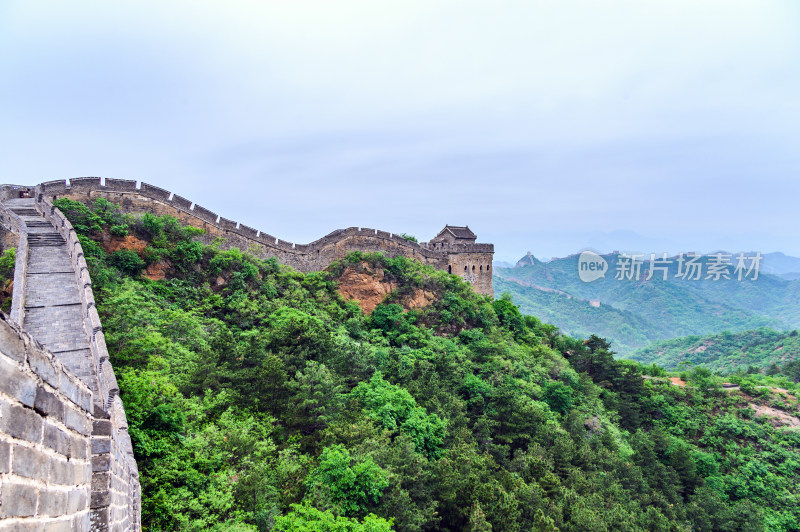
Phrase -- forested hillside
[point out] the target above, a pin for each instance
(726, 352)
(579, 318)
(635, 313)
(259, 399)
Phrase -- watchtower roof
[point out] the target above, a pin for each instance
(458, 232)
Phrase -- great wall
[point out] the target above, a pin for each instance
(458, 254)
(66, 459)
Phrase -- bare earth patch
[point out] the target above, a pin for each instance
(112, 243)
(779, 418)
(365, 285)
(368, 287)
(157, 271)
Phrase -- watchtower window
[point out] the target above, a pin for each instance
(481, 268)
(449, 268)
(473, 267)
(466, 269)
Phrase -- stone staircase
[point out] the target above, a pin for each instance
(53, 303)
(53, 313)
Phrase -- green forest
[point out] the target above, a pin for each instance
(259, 399)
(726, 352)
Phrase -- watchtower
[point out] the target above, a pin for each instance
(465, 257)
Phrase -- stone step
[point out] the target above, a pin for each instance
(45, 239)
(25, 211)
(38, 223)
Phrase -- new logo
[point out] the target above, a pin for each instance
(591, 266)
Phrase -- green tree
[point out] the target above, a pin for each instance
(347, 485)
(397, 411)
(315, 397)
(305, 518)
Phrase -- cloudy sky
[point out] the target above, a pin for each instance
(655, 125)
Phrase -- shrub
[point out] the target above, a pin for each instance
(126, 261)
(7, 261)
(119, 230)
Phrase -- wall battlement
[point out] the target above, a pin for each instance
(470, 260)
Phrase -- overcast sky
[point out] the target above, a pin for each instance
(546, 126)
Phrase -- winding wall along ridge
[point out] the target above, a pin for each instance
(470, 260)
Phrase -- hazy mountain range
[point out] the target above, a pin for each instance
(634, 313)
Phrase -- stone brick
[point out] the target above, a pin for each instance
(63, 472)
(17, 500)
(77, 500)
(81, 522)
(56, 439)
(5, 457)
(19, 422)
(16, 382)
(52, 502)
(49, 404)
(101, 445)
(30, 525)
(44, 367)
(100, 498)
(69, 387)
(84, 473)
(79, 447)
(100, 518)
(13, 344)
(77, 420)
(62, 525)
(101, 462)
(101, 427)
(30, 463)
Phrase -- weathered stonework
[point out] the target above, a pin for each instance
(70, 460)
(442, 252)
(45, 434)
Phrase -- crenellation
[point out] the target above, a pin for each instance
(205, 214)
(80, 183)
(227, 224)
(55, 186)
(181, 202)
(154, 192)
(268, 239)
(120, 185)
(247, 231)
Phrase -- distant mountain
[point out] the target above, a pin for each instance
(633, 313)
(725, 352)
(780, 264)
(579, 318)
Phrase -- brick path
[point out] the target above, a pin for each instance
(53, 313)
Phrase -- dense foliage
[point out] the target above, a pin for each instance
(726, 352)
(258, 399)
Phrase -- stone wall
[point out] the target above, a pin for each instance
(116, 492)
(315, 256)
(66, 460)
(46, 424)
